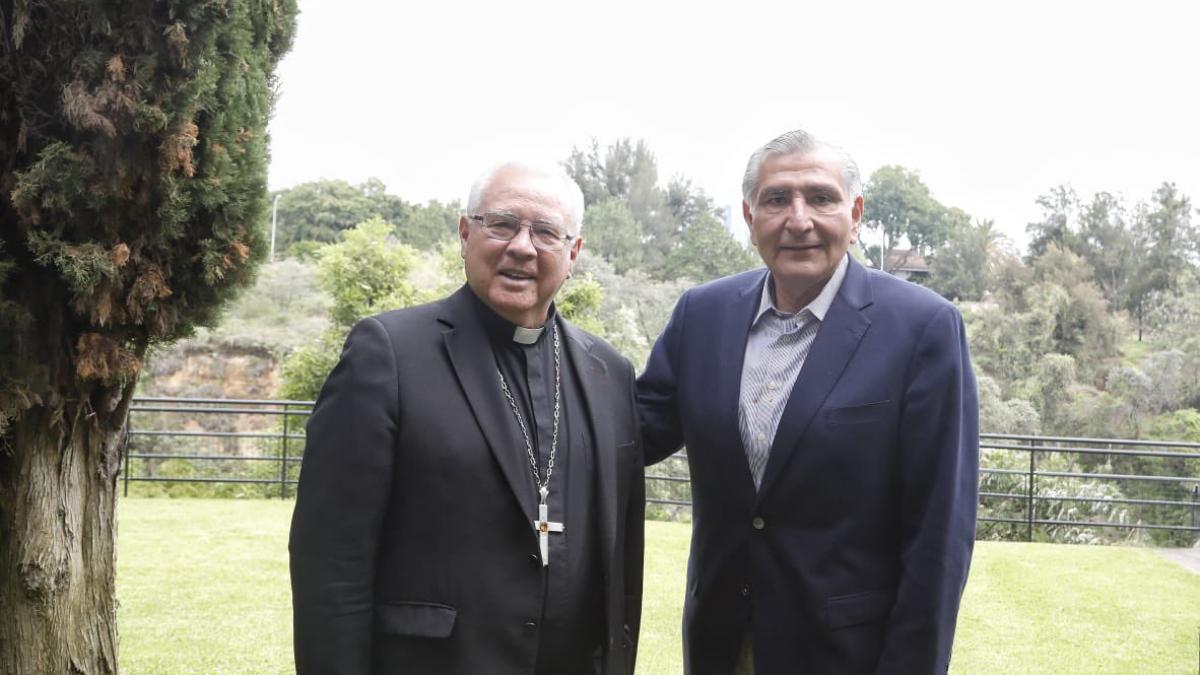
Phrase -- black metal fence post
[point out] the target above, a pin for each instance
(1032, 488)
(1195, 505)
(125, 447)
(283, 459)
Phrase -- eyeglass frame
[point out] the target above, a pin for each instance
(567, 237)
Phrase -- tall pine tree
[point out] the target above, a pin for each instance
(132, 189)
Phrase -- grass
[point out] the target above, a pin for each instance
(203, 588)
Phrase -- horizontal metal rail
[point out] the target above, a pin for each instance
(221, 411)
(1094, 451)
(1104, 500)
(212, 434)
(215, 458)
(1029, 494)
(1095, 441)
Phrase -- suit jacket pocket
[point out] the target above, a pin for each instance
(415, 619)
(860, 414)
(857, 608)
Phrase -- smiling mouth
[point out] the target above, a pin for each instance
(516, 275)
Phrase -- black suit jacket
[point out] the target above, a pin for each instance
(852, 555)
(412, 548)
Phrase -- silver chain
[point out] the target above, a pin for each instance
(543, 486)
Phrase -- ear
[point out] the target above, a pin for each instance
(572, 254)
(856, 213)
(464, 228)
(748, 216)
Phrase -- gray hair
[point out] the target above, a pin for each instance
(799, 142)
(566, 189)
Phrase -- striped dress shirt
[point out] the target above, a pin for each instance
(775, 352)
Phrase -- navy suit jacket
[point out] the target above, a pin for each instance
(852, 556)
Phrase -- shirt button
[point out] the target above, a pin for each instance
(758, 523)
(745, 590)
(761, 436)
(772, 385)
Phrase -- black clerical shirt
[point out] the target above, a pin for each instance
(572, 626)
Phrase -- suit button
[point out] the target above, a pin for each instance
(758, 523)
(533, 557)
(531, 624)
(745, 590)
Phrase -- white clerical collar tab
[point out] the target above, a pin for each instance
(527, 336)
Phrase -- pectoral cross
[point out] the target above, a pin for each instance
(544, 527)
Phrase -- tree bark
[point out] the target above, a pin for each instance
(57, 538)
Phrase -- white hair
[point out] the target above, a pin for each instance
(566, 189)
(798, 142)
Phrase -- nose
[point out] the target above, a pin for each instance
(799, 216)
(522, 244)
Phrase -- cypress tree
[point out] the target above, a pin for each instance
(133, 157)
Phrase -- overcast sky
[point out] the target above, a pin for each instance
(993, 103)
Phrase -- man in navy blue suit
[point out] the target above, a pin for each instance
(830, 416)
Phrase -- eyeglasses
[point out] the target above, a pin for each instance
(778, 200)
(502, 227)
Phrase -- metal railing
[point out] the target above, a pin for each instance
(284, 446)
(1031, 487)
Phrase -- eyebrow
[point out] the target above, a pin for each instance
(806, 189)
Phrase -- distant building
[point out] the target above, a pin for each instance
(732, 218)
(906, 264)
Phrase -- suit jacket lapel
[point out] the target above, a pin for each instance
(837, 339)
(475, 367)
(592, 375)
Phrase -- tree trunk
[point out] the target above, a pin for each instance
(57, 538)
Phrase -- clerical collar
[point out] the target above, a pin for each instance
(501, 330)
(527, 336)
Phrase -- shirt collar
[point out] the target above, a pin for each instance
(502, 331)
(818, 307)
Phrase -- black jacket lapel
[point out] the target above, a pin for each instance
(475, 367)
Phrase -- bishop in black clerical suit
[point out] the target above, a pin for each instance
(471, 496)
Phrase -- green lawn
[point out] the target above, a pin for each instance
(203, 588)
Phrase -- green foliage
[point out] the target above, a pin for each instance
(282, 311)
(634, 308)
(1059, 209)
(636, 225)
(1051, 500)
(305, 369)
(898, 202)
(1000, 416)
(1048, 388)
(366, 273)
(430, 226)
(579, 302)
(318, 212)
(1051, 307)
(707, 251)
(321, 210)
(612, 233)
(963, 268)
(1106, 242)
(132, 181)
